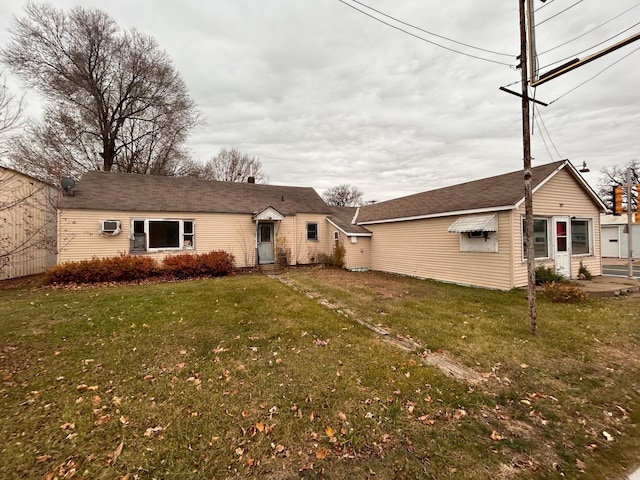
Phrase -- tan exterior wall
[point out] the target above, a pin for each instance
(424, 248)
(309, 251)
(561, 196)
(79, 235)
(358, 255)
(27, 225)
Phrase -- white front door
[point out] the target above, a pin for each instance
(562, 245)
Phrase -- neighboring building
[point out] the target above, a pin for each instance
(119, 213)
(27, 224)
(469, 234)
(615, 236)
(472, 233)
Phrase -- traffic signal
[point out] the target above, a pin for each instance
(617, 201)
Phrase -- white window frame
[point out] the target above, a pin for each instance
(589, 222)
(317, 237)
(182, 245)
(548, 239)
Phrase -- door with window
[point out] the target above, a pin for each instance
(266, 243)
(562, 246)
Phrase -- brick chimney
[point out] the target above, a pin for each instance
(251, 180)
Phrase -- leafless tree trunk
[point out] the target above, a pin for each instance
(115, 101)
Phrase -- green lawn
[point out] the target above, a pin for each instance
(245, 377)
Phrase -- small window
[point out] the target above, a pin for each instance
(540, 238)
(188, 234)
(476, 234)
(312, 231)
(580, 244)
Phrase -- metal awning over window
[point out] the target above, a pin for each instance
(475, 223)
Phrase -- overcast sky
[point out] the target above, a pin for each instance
(324, 94)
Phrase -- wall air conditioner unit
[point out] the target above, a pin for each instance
(110, 227)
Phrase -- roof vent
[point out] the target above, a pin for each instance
(68, 184)
(251, 180)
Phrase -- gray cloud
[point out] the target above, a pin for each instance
(324, 95)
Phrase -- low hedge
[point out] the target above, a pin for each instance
(134, 268)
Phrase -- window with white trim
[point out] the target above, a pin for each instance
(580, 237)
(540, 238)
(149, 235)
(312, 231)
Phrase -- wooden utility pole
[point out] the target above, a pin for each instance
(528, 194)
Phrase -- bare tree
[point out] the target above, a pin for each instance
(228, 166)
(617, 176)
(343, 195)
(10, 113)
(115, 101)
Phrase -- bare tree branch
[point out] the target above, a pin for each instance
(109, 91)
(343, 195)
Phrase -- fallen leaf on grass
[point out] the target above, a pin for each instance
(42, 458)
(330, 432)
(113, 456)
(496, 436)
(608, 436)
(68, 426)
(149, 432)
(322, 453)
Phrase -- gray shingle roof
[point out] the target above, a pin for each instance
(502, 191)
(132, 192)
(343, 216)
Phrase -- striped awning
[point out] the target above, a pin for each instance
(475, 223)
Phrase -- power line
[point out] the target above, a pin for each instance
(559, 13)
(432, 33)
(544, 127)
(594, 76)
(425, 39)
(589, 31)
(571, 57)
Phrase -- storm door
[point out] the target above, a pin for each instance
(266, 242)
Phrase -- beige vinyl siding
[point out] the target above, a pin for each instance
(310, 251)
(79, 236)
(563, 196)
(27, 225)
(424, 248)
(358, 255)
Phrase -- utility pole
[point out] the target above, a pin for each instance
(629, 224)
(528, 194)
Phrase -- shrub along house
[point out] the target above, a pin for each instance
(108, 214)
(470, 233)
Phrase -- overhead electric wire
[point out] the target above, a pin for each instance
(425, 39)
(571, 57)
(559, 13)
(545, 4)
(432, 33)
(544, 127)
(589, 31)
(594, 76)
(542, 136)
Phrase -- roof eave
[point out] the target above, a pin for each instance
(439, 215)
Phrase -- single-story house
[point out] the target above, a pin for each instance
(108, 214)
(470, 233)
(27, 224)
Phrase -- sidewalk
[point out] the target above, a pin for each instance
(609, 286)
